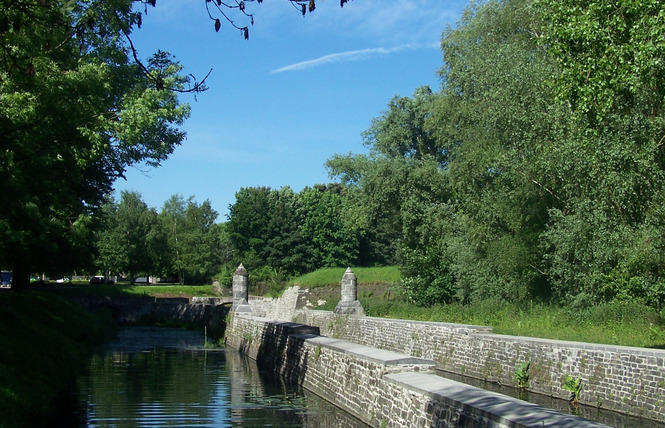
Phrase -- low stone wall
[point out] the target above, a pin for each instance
(381, 388)
(145, 309)
(625, 379)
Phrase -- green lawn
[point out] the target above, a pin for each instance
(127, 289)
(332, 276)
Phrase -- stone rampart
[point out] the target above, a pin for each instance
(144, 309)
(625, 379)
(381, 388)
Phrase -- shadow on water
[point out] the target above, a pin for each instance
(164, 377)
(598, 414)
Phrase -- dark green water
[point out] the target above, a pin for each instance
(161, 377)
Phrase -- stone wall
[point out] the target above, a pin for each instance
(147, 310)
(381, 388)
(625, 379)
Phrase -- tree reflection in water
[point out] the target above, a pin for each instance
(163, 377)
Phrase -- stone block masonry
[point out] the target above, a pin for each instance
(132, 310)
(380, 387)
(624, 379)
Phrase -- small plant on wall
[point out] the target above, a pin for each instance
(522, 375)
(574, 386)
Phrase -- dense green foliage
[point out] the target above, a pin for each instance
(76, 109)
(537, 170)
(181, 242)
(292, 232)
(44, 344)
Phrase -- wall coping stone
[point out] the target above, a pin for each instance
(292, 328)
(653, 352)
(500, 408)
(480, 329)
(373, 354)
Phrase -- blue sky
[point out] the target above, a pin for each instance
(283, 102)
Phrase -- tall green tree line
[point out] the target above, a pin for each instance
(181, 241)
(292, 232)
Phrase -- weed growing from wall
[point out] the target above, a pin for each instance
(522, 375)
(574, 386)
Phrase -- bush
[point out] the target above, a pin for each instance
(267, 281)
(427, 277)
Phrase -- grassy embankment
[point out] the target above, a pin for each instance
(44, 344)
(617, 323)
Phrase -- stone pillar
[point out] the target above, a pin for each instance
(349, 303)
(240, 288)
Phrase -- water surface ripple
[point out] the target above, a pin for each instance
(150, 377)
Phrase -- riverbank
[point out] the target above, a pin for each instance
(44, 344)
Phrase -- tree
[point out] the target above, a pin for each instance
(248, 225)
(135, 226)
(111, 257)
(553, 122)
(610, 57)
(77, 108)
(405, 131)
(286, 250)
(400, 141)
(191, 240)
(292, 233)
(499, 123)
(460, 174)
(332, 242)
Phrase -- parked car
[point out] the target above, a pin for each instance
(5, 279)
(100, 280)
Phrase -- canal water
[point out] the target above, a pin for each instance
(152, 377)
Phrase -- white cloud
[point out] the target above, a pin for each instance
(389, 21)
(348, 56)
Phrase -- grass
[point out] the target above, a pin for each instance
(625, 324)
(84, 289)
(333, 276)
